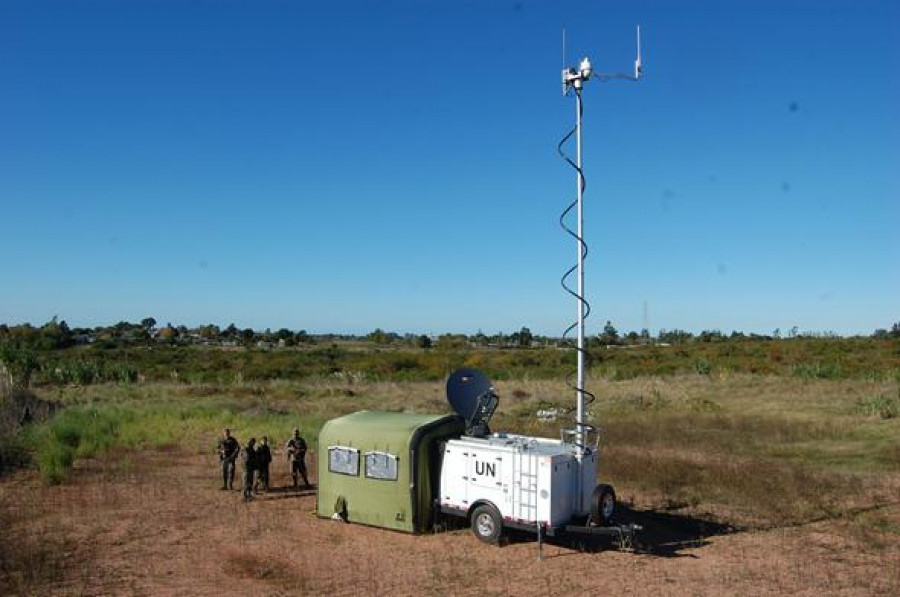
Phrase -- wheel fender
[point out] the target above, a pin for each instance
(488, 503)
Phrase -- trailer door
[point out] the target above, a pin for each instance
(454, 479)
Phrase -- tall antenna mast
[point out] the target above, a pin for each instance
(573, 81)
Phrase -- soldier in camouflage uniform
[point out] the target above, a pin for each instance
(296, 453)
(228, 449)
(263, 458)
(249, 461)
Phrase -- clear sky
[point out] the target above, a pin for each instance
(340, 166)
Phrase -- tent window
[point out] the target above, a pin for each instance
(381, 465)
(343, 460)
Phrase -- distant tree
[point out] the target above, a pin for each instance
(119, 329)
(209, 332)
(247, 335)
(286, 336)
(55, 334)
(895, 330)
(302, 337)
(610, 334)
(645, 334)
(675, 336)
(480, 339)
(378, 336)
(777, 334)
(231, 332)
(19, 364)
(711, 336)
(148, 323)
(168, 333)
(449, 342)
(423, 341)
(881, 334)
(525, 337)
(632, 337)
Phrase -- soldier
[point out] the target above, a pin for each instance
(249, 462)
(229, 448)
(296, 453)
(263, 458)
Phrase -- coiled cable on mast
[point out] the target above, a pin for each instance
(585, 395)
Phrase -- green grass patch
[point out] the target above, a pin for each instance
(86, 431)
(882, 406)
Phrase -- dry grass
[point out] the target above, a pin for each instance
(33, 556)
(157, 525)
(268, 568)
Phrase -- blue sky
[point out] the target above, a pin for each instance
(346, 166)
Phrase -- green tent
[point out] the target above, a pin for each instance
(383, 469)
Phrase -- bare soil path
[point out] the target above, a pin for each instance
(157, 524)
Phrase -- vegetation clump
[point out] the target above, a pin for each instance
(880, 405)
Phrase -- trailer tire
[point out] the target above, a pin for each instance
(603, 505)
(487, 524)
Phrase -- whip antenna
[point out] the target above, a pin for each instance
(637, 63)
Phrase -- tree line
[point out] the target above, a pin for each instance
(57, 334)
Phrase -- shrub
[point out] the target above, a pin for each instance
(881, 406)
(817, 370)
(125, 374)
(55, 461)
(702, 366)
(76, 432)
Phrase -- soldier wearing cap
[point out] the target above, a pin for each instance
(296, 453)
(228, 449)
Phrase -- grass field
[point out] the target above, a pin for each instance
(805, 358)
(708, 460)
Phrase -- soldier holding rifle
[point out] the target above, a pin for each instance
(228, 449)
(296, 453)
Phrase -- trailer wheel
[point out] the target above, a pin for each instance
(603, 505)
(487, 524)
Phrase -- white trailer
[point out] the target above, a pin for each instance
(519, 482)
(498, 480)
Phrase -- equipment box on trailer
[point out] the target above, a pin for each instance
(528, 480)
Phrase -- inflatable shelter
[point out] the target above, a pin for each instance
(383, 469)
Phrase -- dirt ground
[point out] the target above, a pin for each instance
(157, 524)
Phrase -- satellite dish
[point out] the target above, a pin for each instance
(472, 396)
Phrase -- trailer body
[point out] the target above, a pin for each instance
(530, 481)
(382, 468)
